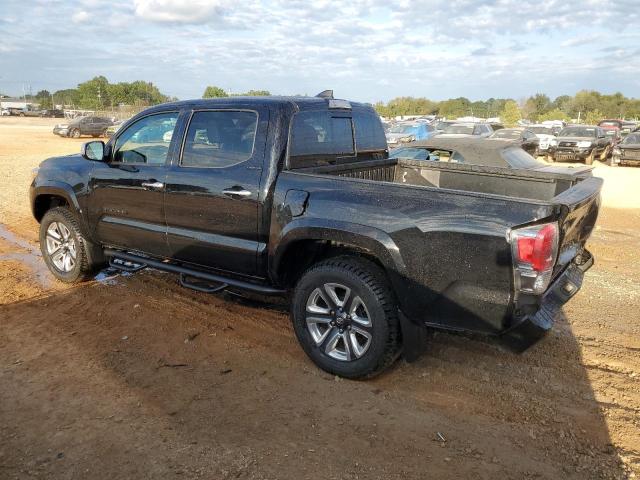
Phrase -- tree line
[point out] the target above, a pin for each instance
(99, 94)
(589, 106)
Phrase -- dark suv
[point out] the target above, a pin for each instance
(580, 143)
(94, 126)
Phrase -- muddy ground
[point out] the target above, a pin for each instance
(134, 377)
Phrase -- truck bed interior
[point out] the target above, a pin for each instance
(471, 178)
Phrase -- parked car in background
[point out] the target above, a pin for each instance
(627, 152)
(409, 132)
(440, 125)
(546, 136)
(297, 197)
(53, 113)
(583, 143)
(518, 136)
(5, 112)
(112, 129)
(610, 123)
(467, 130)
(31, 112)
(628, 127)
(485, 152)
(94, 126)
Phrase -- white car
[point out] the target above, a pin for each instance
(546, 135)
(5, 112)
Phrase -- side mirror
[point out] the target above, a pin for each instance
(93, 151)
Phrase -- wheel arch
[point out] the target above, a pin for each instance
(305, 243)
(46, 197)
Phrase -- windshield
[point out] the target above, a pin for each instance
(408, 129)
(632, 138)
(541, 130)
(414, 153)
(518, 158)
(578, 132)
(443, 125)
(459, 129)
(506, 133)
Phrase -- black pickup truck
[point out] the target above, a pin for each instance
(296, 196)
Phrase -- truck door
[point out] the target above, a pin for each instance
(126, 200)
(211, 197)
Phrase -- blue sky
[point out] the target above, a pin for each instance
(365, 50)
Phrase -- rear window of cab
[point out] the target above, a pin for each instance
(328, 137)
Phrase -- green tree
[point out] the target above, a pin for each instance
(555, 114)
(455, 107)
(536, 105)
(510, 113)
(43, 97)
(593, 117)
(214, 92)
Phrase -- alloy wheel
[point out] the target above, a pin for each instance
(61, 247)
(338, 322)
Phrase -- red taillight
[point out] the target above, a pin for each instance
(534, 254)
(538, 251)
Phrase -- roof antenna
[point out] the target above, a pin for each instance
(325, 94)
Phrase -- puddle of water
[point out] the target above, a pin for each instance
(110, 276)
(11, 237)
(32, 258)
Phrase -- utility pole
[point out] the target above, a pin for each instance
(99, 96)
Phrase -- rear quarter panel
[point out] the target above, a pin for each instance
(447, 253)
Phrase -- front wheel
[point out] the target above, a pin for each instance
(345, 317)
(66, 251)
(75, 133)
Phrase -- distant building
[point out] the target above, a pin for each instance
(17, 103)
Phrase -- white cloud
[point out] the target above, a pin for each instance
(180, 11)
(80, 17)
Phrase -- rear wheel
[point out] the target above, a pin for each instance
(68, 254)
(345, 317)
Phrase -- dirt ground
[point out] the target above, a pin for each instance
(135, 377)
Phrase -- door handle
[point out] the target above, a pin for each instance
(237, 191)
(153, 185)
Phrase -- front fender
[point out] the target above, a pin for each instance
(373, 240)
(56, 188)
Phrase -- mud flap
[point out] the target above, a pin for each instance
(414, 338)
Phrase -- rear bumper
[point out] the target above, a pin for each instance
(534, 326)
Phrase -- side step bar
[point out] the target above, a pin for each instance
(184, 272)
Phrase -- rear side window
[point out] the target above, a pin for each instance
(319, 138)
(218, 139)
(369, 132)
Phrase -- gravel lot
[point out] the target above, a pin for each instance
(134, 377)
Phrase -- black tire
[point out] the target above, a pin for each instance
(368, 282)
(74, 133)
(87, 256)
(550, 159)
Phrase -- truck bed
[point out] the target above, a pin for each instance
(449, 225)
(524, 184)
